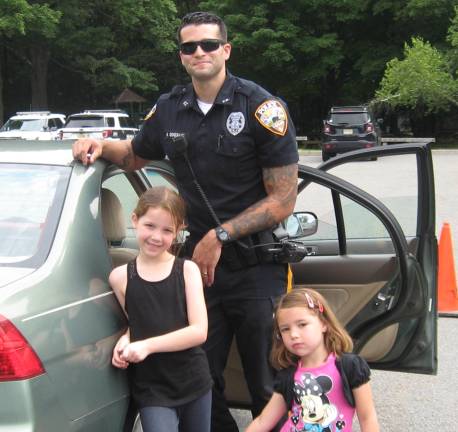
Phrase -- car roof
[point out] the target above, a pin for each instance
(100, 113)
(54, 152)
(358, 108)
(35, 115)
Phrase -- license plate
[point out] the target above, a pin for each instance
(348, 131)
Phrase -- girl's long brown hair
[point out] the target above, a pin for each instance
(168, 200)
(336, 338)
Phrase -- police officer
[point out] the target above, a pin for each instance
(231, 139)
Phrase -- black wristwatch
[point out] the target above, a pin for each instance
(222, 235)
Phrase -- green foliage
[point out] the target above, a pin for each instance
(12, 14)
(103, 42)
(312, 53)
(20, 17)
(421, 81)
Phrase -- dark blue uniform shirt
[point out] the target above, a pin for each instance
(246, 129)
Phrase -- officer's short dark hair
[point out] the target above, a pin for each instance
(197, 18)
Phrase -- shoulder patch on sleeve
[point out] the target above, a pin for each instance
(271, 115)
(151, 113)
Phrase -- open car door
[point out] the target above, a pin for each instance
(374, 255)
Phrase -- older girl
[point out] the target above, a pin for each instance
(162, 296)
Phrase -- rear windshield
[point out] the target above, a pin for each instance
(24, 125)
(126, 122)
(349, 118)
(85, 121)
(31, 199)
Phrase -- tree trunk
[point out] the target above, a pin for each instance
(40, 59)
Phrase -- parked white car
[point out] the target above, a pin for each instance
(32, 125)
(99, 124)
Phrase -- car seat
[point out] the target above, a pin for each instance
(114, 228)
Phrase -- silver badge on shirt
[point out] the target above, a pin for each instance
(235, 123)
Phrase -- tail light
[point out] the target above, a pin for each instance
(107, 133)
(17, 358)
(327, 128)
(369, 127)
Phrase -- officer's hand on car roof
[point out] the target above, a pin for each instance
(87, 150)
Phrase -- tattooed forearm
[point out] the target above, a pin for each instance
(122, 155)
(281, 187)
(252, 220)
(127, 159)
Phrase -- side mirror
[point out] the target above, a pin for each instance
(299, 224)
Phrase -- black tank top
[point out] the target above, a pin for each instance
(155, 308)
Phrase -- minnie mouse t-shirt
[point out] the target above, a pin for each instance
(319, 404)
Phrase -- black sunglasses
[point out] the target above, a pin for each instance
(207, 45)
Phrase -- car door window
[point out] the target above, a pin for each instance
(318, 199)
(120, 185)
(360, 225)
(372, 178)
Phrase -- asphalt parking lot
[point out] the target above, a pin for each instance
(414, 402)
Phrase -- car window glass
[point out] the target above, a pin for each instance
(126, 122)
(157, 179)
(120, 185)
(31, 197)
(364, 231)
(371, 176)
(317, 199)
(24, 125)
(84, 121)
(110, 121)
(348, 118)
(360, 223)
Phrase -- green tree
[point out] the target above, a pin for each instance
(290, 47)
(421, 81)
(118, 43)
(420, 84)
(100, 46)
(317, 53)
(18, 18)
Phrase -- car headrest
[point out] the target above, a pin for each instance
(114, 225)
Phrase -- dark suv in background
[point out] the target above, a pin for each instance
(349, 128)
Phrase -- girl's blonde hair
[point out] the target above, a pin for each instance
(164, 198)
(336, 338)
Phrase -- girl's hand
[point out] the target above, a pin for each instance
(135, 352)
(116, 359)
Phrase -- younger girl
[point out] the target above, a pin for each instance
(319, 383)
(163, 298)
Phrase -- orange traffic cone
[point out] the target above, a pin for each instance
(448, 294)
